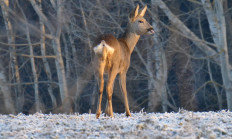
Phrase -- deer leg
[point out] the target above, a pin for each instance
(101, 82)
(107, 110)
(123, 86)
(109, 88)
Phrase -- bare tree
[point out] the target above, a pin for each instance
(56, 33)
(44, 59)
(12, 49)
(217, 27)
(34, 71)
(157, 75)
(5, 90)
(217, 24)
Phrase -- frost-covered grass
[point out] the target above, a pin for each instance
(183, 124)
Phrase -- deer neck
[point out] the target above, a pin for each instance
(131, 39)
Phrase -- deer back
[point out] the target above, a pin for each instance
(110, 50)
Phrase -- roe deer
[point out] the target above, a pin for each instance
(113, 57)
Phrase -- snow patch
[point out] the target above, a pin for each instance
(184, 124)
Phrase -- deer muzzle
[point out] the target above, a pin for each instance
(150, 31)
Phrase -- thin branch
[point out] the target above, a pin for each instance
(30, 83)
(12, 45)
(33, 56)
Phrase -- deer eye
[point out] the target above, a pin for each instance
(140, 21)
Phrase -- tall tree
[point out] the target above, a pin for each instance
(33, 64)
(216, 19)
(47, 67)
(56, 33)
(217, 26)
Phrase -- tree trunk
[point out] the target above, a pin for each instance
(32, 60)
(227, 11)
(59, 60)
(186, 32)
(74, 53)
(45, 61)
(216, 20)
(60, 69)
(56, 33)
(218, 30)
(13, 58)
(158, 77)
(67, 57)
(4, 89)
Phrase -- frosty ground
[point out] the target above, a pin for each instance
(184, 124)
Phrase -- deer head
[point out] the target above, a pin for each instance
(138, 24)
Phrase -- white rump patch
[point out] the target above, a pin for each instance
(99, 48)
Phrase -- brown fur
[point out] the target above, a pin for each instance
(118, 62)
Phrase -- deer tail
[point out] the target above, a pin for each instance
(103, 49)
(104, 53)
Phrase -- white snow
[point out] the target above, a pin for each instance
(184, 124)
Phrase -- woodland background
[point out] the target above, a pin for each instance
(46, 54)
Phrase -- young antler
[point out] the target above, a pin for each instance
(113, 57)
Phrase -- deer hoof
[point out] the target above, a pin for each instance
(128, 114)
(97, 115)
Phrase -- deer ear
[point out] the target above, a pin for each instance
(143, 11)
(134, 13)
